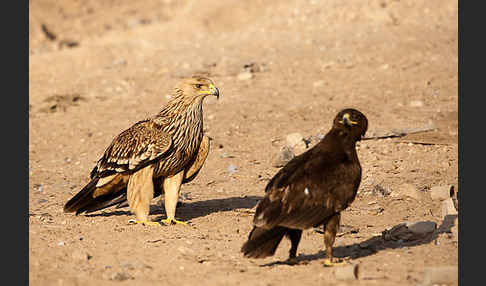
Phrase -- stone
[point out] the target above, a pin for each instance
(186, 251)
(246, 75)
(410, 231)
(455, 229)
(232, 169)
(296, 142)
(80, 255)
(422, 227)
(347, 272)
(438, 275)
(441, 192)
(416, 103)
(283, 157)
(409, 190)
(448, 208)
(318, 83)
(381, 191)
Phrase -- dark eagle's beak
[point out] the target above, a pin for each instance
(347, 121)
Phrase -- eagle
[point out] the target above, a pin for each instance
(154, 156)
(309, 191)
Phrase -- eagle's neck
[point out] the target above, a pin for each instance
(340, 141)
(182, 117)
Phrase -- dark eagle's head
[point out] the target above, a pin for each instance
(351, 121)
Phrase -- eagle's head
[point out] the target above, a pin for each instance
(197, 87)
(352, 121)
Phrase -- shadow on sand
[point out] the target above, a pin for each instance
(191, 210)
(372, 245)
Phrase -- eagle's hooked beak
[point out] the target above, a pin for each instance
(347, 121)
(214, 91)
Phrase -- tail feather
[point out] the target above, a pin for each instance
(105, 201)
(85, 200)
(263, 242)
(82, 198)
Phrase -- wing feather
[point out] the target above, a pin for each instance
(133, 149)
(199, 160)
(307, 191)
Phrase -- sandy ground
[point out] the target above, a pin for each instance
(96, 67)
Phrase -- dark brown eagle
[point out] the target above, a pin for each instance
(311, 190)
(152, 157)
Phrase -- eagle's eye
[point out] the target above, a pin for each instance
(198, 86)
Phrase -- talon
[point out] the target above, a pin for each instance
(169, 221)
(146, 223)
(329, 263)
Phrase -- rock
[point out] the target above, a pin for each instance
(381, 191)
(246, 75)
(348, 272)
(455, 229)
(80, 255)
(448, 208)
(184, 197)
(449, 225)
(456, 203)
(232, 169)
(38, 188)
(440, 275)
(313, 140)
(254, 67)
(409, 190)
(283, 157)
(318, 83)
(118, 276)
(416, 103)
(410, 231)
(296, 142)
(185, 251)
(422, 227)
(442, 192)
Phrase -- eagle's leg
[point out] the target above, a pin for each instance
(294, 235)
(172, 186)
(330, 230)
(140, 191)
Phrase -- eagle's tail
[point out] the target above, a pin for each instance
(92, 198)
(263, 242)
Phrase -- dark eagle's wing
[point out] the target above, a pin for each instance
(308, 190)
(133, 149)
(290, 170)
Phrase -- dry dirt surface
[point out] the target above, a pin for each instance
(282, 67)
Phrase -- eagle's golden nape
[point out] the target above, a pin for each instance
(310, 190)
(154, 156)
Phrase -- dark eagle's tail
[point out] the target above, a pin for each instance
(85, 200)
(263, 242)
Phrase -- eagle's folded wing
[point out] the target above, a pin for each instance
(133, 149)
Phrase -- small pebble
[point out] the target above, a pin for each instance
(232, 169)
(416, 103)
(246, 75)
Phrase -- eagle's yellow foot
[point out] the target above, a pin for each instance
(329, 263)
(169, 221)
(147, 223)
